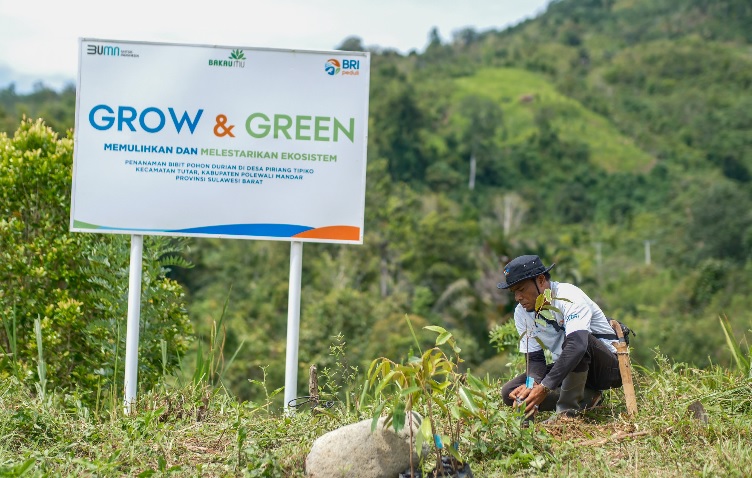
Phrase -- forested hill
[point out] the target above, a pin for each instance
(613, 137)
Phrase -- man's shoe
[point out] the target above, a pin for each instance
(597, 401)
(592, 399)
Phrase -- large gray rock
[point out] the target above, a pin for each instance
(354, 452)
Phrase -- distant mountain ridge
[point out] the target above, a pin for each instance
(24, 84)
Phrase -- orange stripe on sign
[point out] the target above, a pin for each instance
(345, 233)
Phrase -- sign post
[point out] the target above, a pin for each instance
(293, 324)
(132, 327)
(226, 142)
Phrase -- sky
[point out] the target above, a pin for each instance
(39, 38)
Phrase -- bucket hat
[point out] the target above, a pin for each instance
(521, 268)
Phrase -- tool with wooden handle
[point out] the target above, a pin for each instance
(625, 368)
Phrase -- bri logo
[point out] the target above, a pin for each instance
(347, 67)
(331, 67)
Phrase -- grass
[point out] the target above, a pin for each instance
(194, 431)
(664, 439)
(609, 149)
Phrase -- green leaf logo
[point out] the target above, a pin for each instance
(237, 55)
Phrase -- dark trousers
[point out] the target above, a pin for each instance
(598, 361)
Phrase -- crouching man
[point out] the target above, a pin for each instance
(579, 338)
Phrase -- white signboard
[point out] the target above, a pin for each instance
(194, 140)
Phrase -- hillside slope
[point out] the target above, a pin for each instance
(523, 94)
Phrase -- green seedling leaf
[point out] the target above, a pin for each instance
(377, 415)
(547, 314)
(384, 382)
(442, 406)
(477, 383)
(374, 363)
(435, 328)
(539, 302)
(441, 386)
(374, 374)
(398, 416)
(468, 400)
(419, 440)
(552, 308)
(425, 430)
(442, 339)
(409, 390)
(413, 359)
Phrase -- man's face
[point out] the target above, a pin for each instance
(525, 293)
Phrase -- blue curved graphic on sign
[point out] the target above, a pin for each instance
(265, 230)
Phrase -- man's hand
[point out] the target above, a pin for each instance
(535, 397)
(519, 394)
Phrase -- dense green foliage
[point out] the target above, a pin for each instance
(76, 285)
(57, 108)
(582, 135)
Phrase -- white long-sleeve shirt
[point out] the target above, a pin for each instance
(581, 313)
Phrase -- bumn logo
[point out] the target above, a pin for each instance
(103, 50)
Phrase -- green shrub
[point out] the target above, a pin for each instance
(75, 284)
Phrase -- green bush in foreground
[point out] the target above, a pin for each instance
(76, 285)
